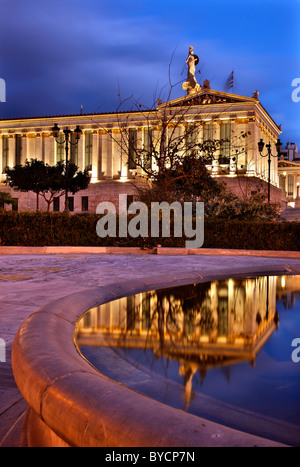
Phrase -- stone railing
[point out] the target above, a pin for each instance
(72, 404)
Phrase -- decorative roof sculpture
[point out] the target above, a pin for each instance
(191, 85)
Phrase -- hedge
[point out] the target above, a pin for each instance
(63, 229)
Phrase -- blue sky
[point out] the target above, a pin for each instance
(58, 55)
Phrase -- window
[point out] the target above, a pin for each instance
(71, 203)
(148, 147)
(60, 148)
(88, 149)
(84, 203)
(18, 153)
(290, 185)
(74, 149)
(4, 153)
(225, 135)
(191, 138)
(15, 206)
(56, 203)
(132, 149)
(208, 132)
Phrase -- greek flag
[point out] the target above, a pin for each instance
(230, 81)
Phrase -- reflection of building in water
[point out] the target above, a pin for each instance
(199, 325)
(288, 290)
(224, 318)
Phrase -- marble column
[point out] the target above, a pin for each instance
(46, 139)
(117, 153)
(38, 146)
(11, 151)
(96, 161)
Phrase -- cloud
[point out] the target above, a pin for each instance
(57, 55)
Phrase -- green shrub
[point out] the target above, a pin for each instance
(63, 229)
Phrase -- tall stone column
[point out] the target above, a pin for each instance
(52, 144)
(216, 136)
(29, 150)
(81, 165)
(11, 151)
(46, 138)
(139, 147)
(156, 142)
(117, 153)
(38, 146)
(96, 162)
(252, 151)
(105, 147)
(274, 166)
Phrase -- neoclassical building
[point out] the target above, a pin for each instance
(289, 175)
(241, 121)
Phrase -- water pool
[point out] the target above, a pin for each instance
(220, 350)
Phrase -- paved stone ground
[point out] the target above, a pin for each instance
(28, 282)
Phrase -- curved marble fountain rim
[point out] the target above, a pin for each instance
(72, 404)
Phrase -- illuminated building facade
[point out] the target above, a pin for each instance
(289, 175)
(241, 121)
(229, 319)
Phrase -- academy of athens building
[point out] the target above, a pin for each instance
(215, 115)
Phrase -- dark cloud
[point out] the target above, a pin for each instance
(56, 55)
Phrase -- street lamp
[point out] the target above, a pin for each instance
(67, 141)
(261, 145)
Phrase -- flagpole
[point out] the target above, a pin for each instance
(233, 81)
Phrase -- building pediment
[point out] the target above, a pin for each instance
(288, 164)
(209, 97)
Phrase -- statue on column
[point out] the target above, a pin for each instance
(191, 85)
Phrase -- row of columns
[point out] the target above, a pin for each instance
(110, 154)
(238, 301)
(288, 181)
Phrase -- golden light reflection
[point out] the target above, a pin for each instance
(200, 325)
(231, 313)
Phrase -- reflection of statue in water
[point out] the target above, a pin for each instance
(187, 370)
(191, 84)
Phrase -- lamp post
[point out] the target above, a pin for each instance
(67, 141)
(269, 155)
